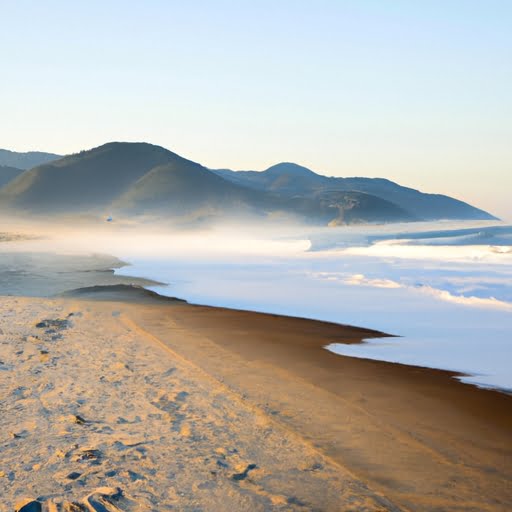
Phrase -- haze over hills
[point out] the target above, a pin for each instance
(134, 179)
(288, 179)
(25, 160)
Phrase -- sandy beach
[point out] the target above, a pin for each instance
(116, 399)
(102, 402)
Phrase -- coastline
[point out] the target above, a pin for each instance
(420, 437)
(398, 437)
(427, 332)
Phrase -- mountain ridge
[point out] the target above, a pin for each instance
(25, 160)
(424, 206)
(138, 178)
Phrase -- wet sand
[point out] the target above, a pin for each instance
(418, 436)
(176, 406)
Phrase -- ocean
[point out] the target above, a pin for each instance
(444, 289)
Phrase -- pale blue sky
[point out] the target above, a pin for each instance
(416, 91)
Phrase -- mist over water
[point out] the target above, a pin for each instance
(444, 288)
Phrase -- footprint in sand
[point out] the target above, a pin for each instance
(56, 324)
(29, 506)
(53, 327)
(104, 499)
(244, 474)
(90, 455)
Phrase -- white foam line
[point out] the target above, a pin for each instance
(445, 295)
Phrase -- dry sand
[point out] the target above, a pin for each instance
(91, 399)
(123, 400)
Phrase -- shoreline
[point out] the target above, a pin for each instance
(456, 374)
(106, 263)
(372, 333)
(411, 430)
(460, 375)
(465, 374)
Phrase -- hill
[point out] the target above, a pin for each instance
(85, 181)
(188, 190)
(25, 160)
(142, 179)
(181, 188)
(7, 174)
(291, 180)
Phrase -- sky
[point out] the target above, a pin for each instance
(414, 91)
